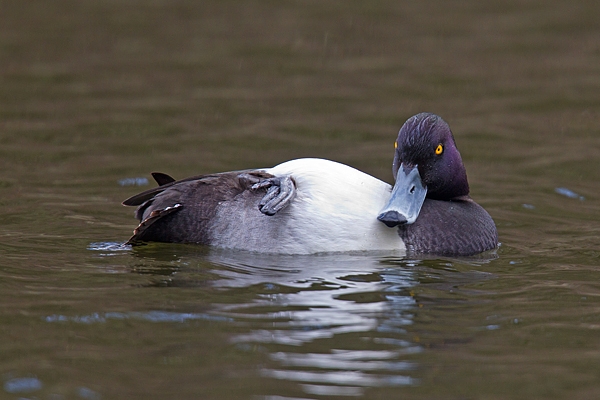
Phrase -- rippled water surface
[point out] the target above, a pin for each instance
(95, 95)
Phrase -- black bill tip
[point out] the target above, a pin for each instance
(392, 218)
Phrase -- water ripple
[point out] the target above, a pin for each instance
(22, 385)
(352, 378)
(568, 193)
(151, 316)
(344, 360)
(137, 181)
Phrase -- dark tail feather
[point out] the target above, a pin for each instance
(162, 179)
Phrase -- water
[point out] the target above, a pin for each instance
(95, 95)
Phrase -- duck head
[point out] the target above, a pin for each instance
(426, 164)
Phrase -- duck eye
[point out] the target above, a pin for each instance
(439, 149)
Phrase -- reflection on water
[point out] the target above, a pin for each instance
(109, 248)
(568, 193)
(331, 324)
(151, 316)
(358, 304)
(323, 298)
(22, 385)
(31, 384)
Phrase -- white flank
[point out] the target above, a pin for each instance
(335, 210)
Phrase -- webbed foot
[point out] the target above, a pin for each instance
(249, 179)
(281, 191)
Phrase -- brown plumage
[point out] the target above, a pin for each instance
(177, 204)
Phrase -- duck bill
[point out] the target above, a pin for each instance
(407, 198)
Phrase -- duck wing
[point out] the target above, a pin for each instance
(164, 181)
(180, 211)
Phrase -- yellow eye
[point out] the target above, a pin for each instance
(395, 145)
(439, 150)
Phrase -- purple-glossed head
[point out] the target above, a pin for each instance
(426, 164)
(425, 141)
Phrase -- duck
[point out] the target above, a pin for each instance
(312, 205)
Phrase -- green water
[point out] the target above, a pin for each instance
(96, 94)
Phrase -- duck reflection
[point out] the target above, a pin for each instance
(333, 323)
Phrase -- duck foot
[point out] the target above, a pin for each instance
(281, 191)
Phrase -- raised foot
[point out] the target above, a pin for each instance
(281, 191)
